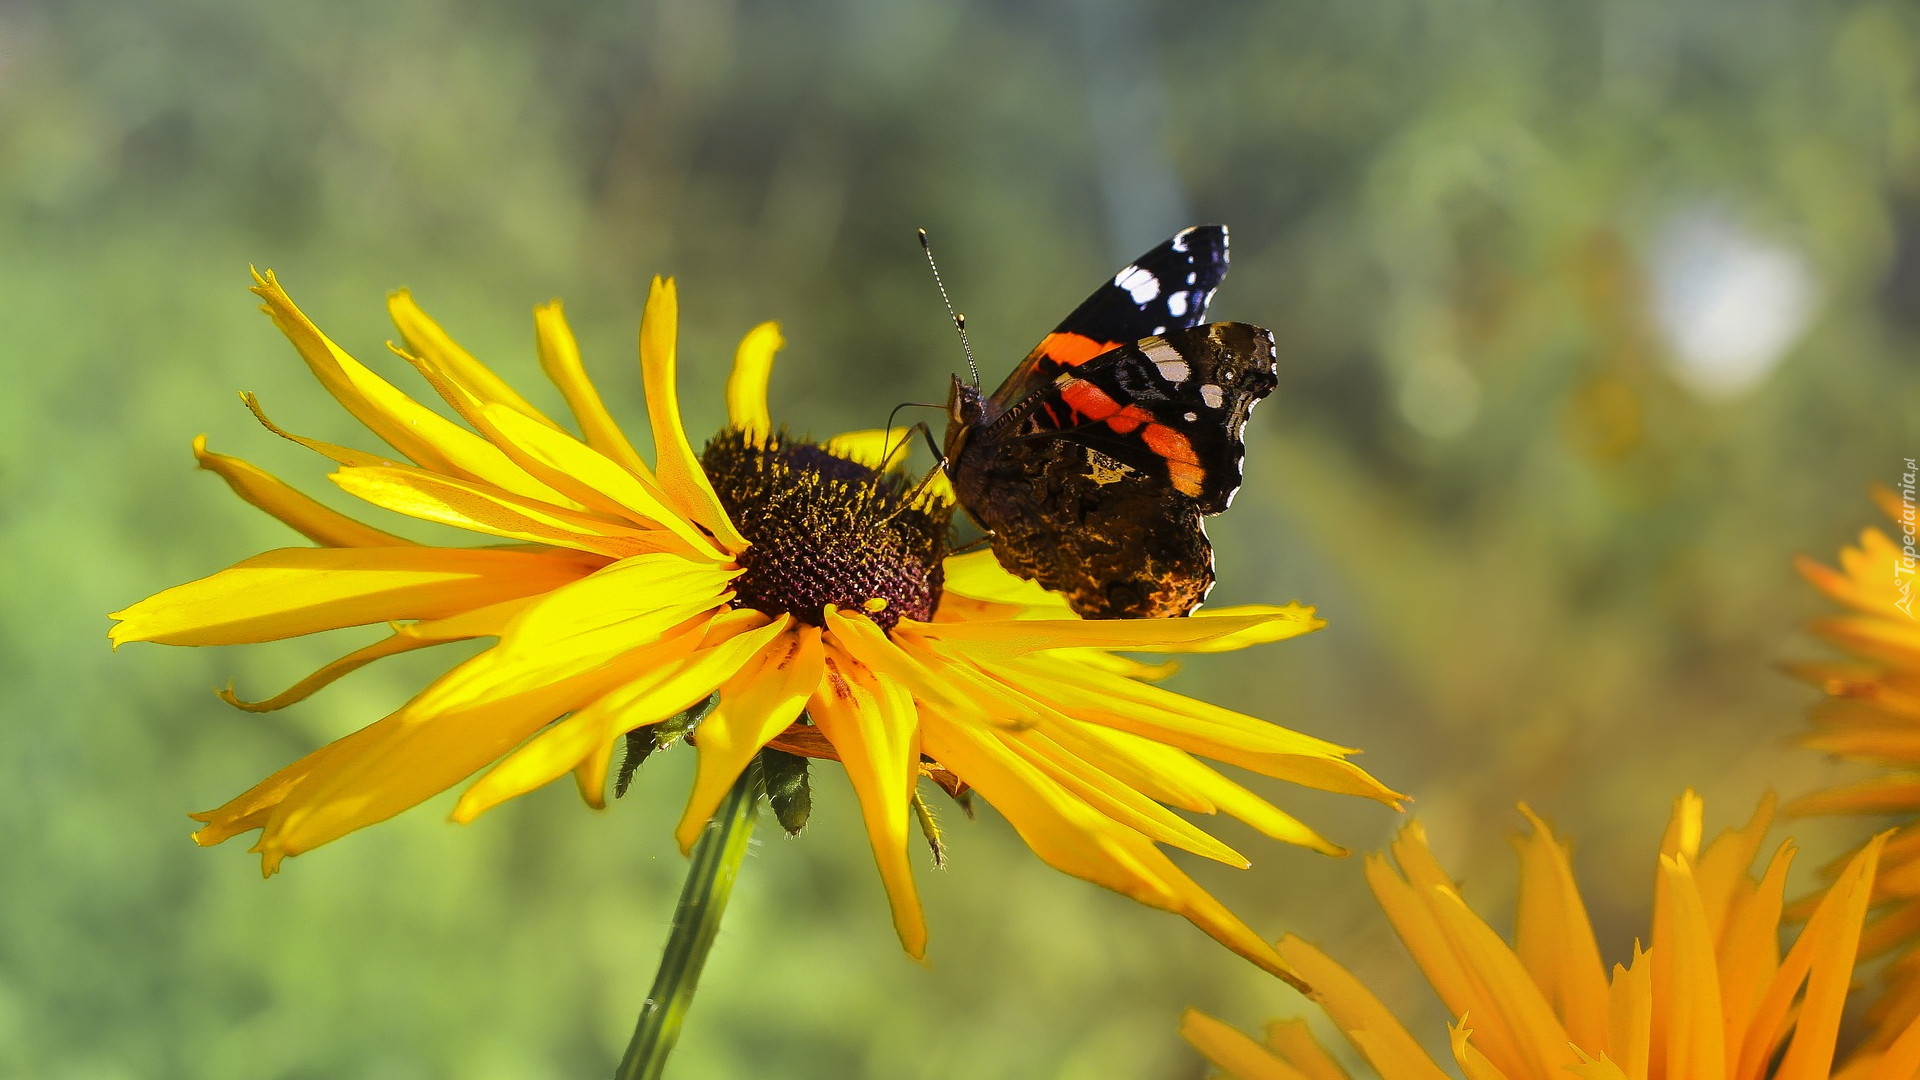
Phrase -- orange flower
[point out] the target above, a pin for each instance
(1872, 714)
(1711, 998)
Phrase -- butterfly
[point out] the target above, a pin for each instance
(1092, 465)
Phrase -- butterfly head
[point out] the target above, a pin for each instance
(966, 408)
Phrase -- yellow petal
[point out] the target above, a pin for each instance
(880, 449)
(626, 606)
(1238, 1054)
(1135, 762)
(1116, 799)
(250, 809)
(294, 591)
(1194, 726)
(867, 643)
(552, 485)
(1270, 622)
(1237, 801)
(341, 454)
(755, 705)
(391, 645)
(418, 753)
(681, 672)
(1018, 637)
(747, 384)
(425, 338)
(872, 724)
(481, 622)
(560, 359)
(1156, 770)
(979, 575)
(479, 508)
(593, 477)
(307, 517)
(431, 440)
(1388, 1047)
(1072, 837)
(676, 465)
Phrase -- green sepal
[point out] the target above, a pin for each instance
(642, 741)
(788, 791)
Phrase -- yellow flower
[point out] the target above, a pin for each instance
(1872, 715)
(803, 584)
(1710, 998)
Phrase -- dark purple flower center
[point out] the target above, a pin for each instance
(826, 530)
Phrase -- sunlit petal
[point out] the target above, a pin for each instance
(747, 385)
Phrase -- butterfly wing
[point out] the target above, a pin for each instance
(1171, 406)
(1096, 485)
(1164, 290)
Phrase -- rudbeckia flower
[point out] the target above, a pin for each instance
(805, 586)
(1872, 714)
(1711, 997)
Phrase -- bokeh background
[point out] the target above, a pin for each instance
(1591, 312)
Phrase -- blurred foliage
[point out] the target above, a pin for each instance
(1555, 571)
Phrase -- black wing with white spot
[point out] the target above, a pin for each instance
(1165, 290)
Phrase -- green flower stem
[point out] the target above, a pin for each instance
(696, 921)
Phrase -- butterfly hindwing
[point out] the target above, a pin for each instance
(1174, 406)
(1166, 289)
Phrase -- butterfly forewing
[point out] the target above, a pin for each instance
(1164, 290)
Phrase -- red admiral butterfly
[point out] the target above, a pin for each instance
(1093, 463)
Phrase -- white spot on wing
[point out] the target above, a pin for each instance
(1177, 304)
(1159, 330)
(1192, 416)
(1140, 284)
(1180, 239)
(1172, 365)
(1213, 396)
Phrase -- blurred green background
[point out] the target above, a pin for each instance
(1591, 314)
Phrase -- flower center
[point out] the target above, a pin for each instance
(826, 530)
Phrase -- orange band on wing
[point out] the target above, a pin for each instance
(1189, 480)
(1169, 444)
(1071, 350)
(1088, 400)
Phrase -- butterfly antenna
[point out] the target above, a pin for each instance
(959, 320)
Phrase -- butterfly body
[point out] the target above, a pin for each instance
(1093, 464)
